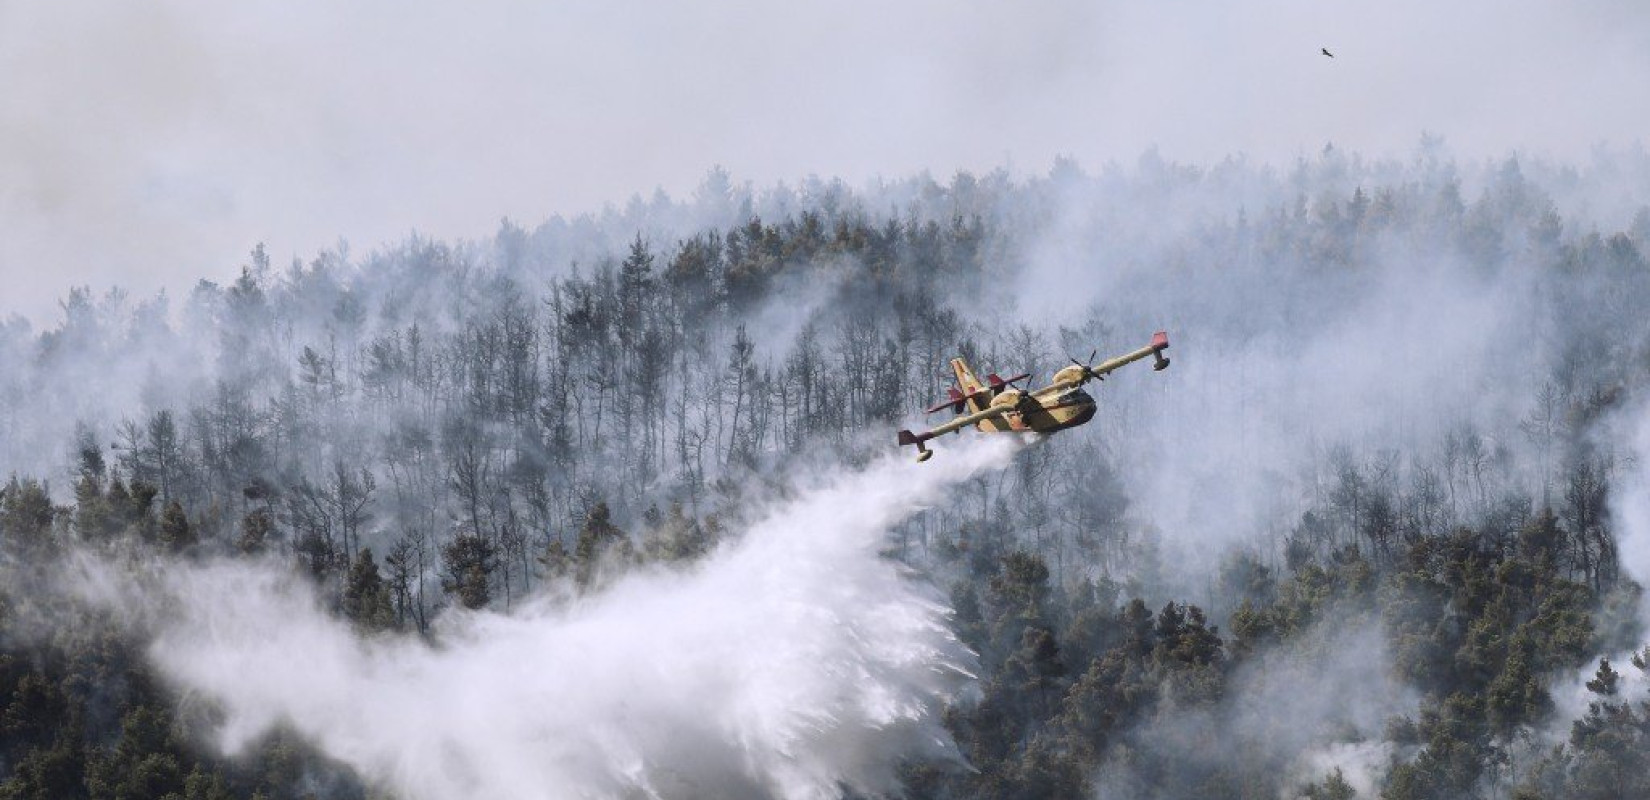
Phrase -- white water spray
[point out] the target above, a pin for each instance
(791, 664)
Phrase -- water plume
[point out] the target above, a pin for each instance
(792, 662)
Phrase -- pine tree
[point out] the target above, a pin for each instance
(175, 533)
(366, 600)
(26, 517)
(256, 531)
(674, 538)
(469, 561)
(1334, 787)
(601, 544)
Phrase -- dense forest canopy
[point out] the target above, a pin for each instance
(1372, 535)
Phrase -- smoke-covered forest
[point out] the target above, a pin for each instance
(1373, 534)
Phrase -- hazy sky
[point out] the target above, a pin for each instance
(152, 144)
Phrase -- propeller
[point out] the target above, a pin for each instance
(1088, 370)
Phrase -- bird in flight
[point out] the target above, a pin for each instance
(1326, 52)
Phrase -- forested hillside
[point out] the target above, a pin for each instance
(1365, 538)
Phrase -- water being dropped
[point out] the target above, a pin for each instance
(789, 663)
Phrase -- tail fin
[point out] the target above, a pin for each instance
(970, 385)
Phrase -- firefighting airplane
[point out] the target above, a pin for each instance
(997, 406)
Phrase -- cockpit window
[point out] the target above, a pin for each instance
(1074, 396)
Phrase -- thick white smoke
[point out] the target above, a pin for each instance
(791, 663)
(1630, 501)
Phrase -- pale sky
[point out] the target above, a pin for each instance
(153, 144)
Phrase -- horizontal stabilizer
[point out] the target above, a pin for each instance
(998, 384)
(954, 400)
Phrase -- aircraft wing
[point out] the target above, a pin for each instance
(1079, 374)
(1160, 342)
(907, 437)
(958, 423)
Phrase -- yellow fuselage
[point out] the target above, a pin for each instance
(1040, 412)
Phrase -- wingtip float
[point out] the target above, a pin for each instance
(996, 406)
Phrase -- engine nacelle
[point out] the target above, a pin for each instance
(1071, 374)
